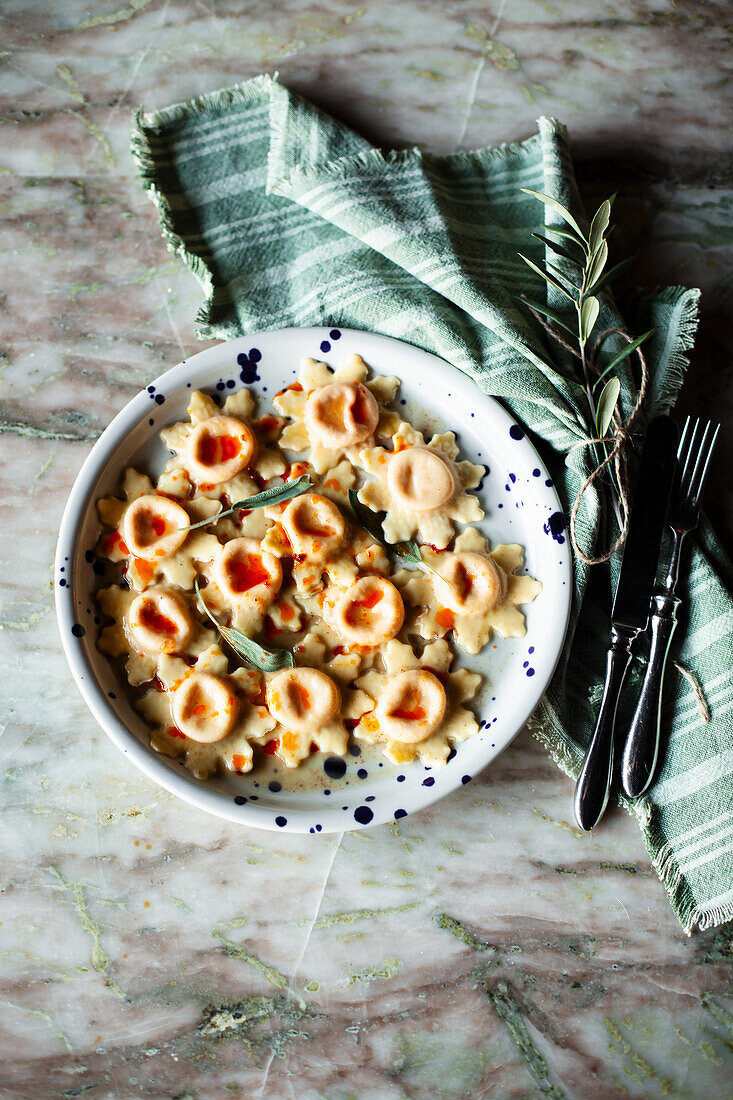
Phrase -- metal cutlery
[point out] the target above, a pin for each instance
(630, 608)
(642, 743)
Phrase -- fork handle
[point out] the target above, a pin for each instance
(642, 743)
(594, 781)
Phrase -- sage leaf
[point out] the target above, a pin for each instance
(558, 207)
(265, 660)
(599, 225)
(628, 350)
(553, 316)
(275, 495)
(606, 405)
(568, 235)
(547, 277)
(588, 316)
(368, 520)
(558, 249)
(560, 274)
(596, 264)
(408, 551)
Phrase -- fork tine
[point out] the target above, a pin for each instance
(683, 437)
(699, 458)
(684, 481)
(700, 484)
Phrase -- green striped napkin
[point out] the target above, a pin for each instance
(289, 218)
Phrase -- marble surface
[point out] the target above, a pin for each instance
(483, 948)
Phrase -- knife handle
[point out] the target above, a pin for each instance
(594, 781)
(642, 742)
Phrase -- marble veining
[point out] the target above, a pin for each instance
(483, 947)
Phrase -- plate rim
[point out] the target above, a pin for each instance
(183, 784)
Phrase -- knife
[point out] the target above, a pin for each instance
(630, 611)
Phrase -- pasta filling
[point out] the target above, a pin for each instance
(151, 527)
(419, 479)
(247, 573)
(411, 706)
(159, 622)
(303, 699)
(314, 526)
(369, 612)
(218, 449)
(205, 708)
(341, 414)
(473, 584)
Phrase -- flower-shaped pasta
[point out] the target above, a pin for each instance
(151, 522)
(311, 703)
(312, 531)
(417, 702)
(147, 626)
(218, 450)
(367, 613)
(478, 592)
(336, 412)
(420, 486)
(220, 713)
(261, 606)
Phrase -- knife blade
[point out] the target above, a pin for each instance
(630, 610)
(646, 524)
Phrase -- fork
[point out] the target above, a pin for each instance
(642, 743)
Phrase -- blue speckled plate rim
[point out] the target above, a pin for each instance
(69, 556)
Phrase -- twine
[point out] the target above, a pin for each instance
(620, 439)
(617, 457)
(702, 703)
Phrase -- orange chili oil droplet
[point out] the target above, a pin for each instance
(113, 541)
(199, 710)
(271, 747)
(159, 526)
(144, 569)
(239, 762)
(173, 731)
(368, 603)
(415, 714)
(214, 449)
(445, 618)
(287, 612)
(302, 695)
(246, 573)
(151, 618)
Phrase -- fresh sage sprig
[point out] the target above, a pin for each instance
(409, 551)
(588, 255)
(276, 495)
(265, 660)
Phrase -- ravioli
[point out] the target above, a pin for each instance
(420, 486)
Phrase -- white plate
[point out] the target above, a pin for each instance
(521, 506)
